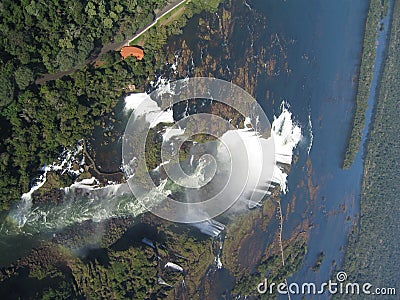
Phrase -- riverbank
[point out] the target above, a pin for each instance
(112, 260)
(373, 247)
(115, 46)
(44, 119)
(377, 10)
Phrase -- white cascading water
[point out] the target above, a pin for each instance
(64, 165)
(84, 201)
(286, 137)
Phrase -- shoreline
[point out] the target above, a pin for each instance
(84, 104)
(378, 88)
(197, 255)
(377, 221)
(108, 47)
(365, 77)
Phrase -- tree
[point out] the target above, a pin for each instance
(23, 77)
(7, 86)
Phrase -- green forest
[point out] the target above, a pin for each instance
(121, 267)
(377, 10)
(40, 38)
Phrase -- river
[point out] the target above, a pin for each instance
(324, 61)
(322, 41)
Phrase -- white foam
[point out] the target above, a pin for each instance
(163, 282)
(171, 132)
(310, 131)
(88, 184)
(65, 164)
(218, 262)
(162, 117)
(133, 100)
(89, 181)
(143, 105)
(163, 86)
(247, 122)
(104, 202)
(286, 136)
(173, 266)
(209, 227)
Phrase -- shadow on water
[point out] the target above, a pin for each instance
(24, 287)
(98, 255)
(134, 235)
(10, 252)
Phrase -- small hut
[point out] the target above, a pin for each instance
(132, 51)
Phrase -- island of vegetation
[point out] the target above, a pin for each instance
(377, 10)
(374, 247)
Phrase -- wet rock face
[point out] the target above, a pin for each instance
(51, 192)
(53, 196)
(231, 45)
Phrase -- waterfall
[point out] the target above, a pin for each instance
(85, 201)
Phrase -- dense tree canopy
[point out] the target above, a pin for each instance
(48, 36)
(41, 37)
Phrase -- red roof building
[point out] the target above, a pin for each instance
(132, 51)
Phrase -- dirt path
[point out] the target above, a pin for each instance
(279, 211)
(161, 14)
(112, 46)
(93, 164)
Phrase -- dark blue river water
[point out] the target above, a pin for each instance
(323, 41)
(323, 60)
